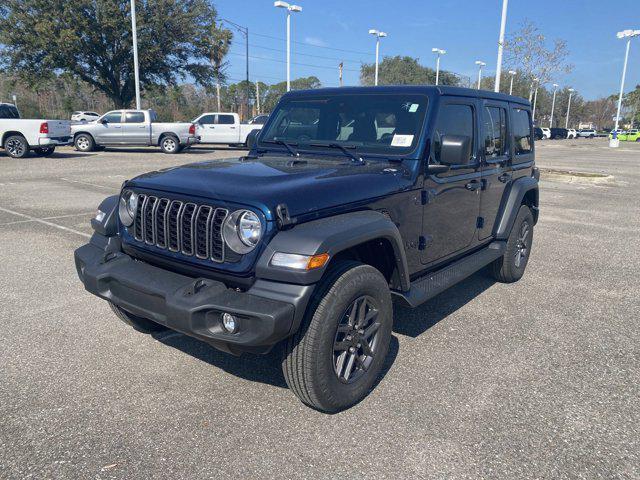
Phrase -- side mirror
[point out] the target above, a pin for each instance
(252, 138)
(102, 121)
(455, 150)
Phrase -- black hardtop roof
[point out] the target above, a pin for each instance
(438, 90)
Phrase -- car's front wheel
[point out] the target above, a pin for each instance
(336, 356)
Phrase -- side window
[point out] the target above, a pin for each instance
(207, 120)
(521, 121)
(452, 120)
(134, 117)
(113, 117)
(494, 120)
(225, 120)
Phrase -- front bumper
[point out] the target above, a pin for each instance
(266, 313)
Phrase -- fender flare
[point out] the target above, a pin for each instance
(108, 227)
(511, 204)
(331, 235)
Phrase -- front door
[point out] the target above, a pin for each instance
(452, 198)
(109, 129)
(136, 131)
(226, 129)
(496, 169)
(207, 128)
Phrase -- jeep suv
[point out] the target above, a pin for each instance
(350, 198)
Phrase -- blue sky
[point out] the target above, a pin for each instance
(330, 30)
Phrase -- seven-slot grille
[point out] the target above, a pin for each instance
(193, 230)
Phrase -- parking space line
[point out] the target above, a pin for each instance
(49, 218)
(87, 183)
(45, 222)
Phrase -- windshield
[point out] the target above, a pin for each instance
(386, 124)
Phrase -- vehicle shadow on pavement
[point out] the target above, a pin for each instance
(255, 368)
(413, 323)
(57, 156)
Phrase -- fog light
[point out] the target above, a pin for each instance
(229, 323)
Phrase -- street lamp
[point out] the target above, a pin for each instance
(378, 34)
(566, 123)
(553, 103)
(503, 23)
(290, 8)
(512, 73)
(628, 34)
(136, 73)
(480, 65)
(439, 52)
(536, 81)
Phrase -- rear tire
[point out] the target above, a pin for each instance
(84, 143)
(16, 146)
(510, 267)
(170, 144)
(140, 324)
(44, 152)
(335, 358)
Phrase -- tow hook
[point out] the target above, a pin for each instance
(195, 287)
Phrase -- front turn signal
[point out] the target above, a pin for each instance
(295, 261)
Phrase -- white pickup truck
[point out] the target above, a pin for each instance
(223, 128)
(19, 136)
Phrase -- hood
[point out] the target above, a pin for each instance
(305, 184)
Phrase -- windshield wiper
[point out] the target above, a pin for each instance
(288, 146)
(344, 150)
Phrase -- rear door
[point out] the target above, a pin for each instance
(452, 198)
(136, 130)
(496, 162)
(109, 130)
(226, 129)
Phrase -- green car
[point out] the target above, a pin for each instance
(632, 135)
(622, 135)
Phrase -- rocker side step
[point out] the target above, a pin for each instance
(437, 282)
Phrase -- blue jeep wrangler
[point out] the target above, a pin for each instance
(349, 198)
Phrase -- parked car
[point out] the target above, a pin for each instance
(587, 133)
(223, 128)
(84, 116)
(559, 133)
(546, 132)
(307, 239)
(621, 134)
(537, 133)
(20, 136)
(633, 135)
(572, 133)
(259, 119)
(133, 127)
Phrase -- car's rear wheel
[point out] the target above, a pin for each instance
(44, 152)
(16, 146)
(170, 144)
(141, 324)
(84, 143)
(336, 356)
(510, 267)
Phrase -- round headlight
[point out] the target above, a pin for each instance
(127, 207)
(242, 231)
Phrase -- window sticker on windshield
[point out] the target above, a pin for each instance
(402, 140)
(413, 108)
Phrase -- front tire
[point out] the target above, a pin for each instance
(335, 358)
(510, 267)
(16, 146)
(84, 143)
(140, 324)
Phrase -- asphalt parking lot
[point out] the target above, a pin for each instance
(538, 379)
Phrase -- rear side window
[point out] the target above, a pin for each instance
(9, 111)
(453, 119)
(494, 121)
(226, 120)
(521, 120)
(134, 117)
(113, 117)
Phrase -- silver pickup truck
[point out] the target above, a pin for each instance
(133, 127)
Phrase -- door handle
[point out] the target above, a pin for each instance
(473, 185)
(505, 177)
(232, 128)
(142, 126)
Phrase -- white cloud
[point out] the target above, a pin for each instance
(316, 42)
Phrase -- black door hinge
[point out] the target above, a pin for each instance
(480, 222)
(283, 218)
(423, 241)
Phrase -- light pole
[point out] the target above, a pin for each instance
(378, 34)
(628, 34)
(439, 52)
(566, 123)
(535, 99)
(290, 8)
(503, 24)
(480, 65)
(512, 73)
(136, 73)
(553, 104)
